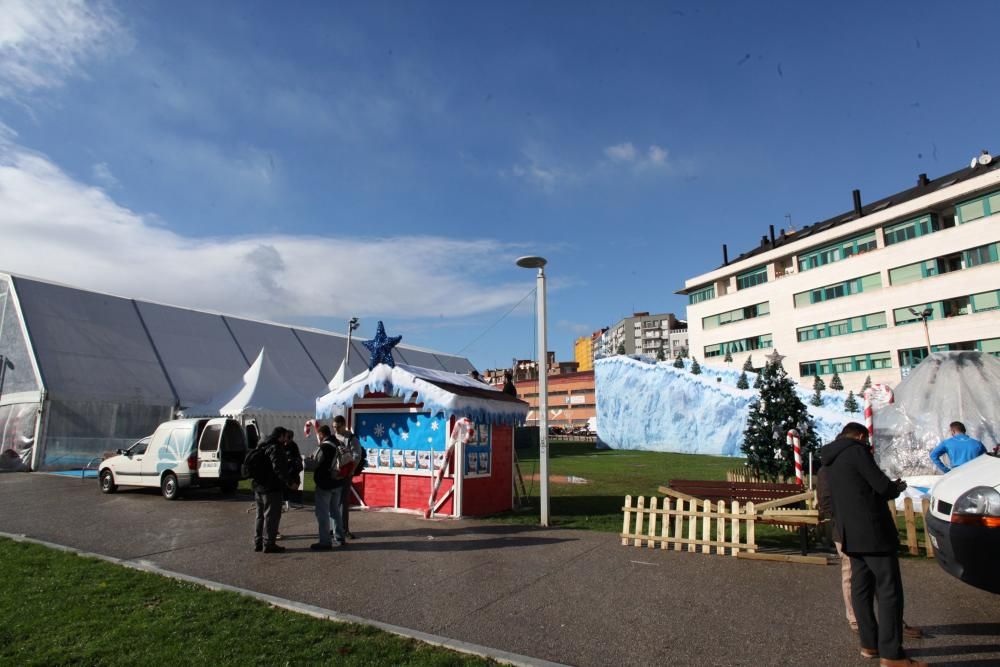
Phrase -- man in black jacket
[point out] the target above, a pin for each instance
(867, 533)
(328, 491)
(268, 493)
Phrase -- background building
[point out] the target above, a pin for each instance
(583, 352)
(847, 295)
(644, 334)
(571, 399)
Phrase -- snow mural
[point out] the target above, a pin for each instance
(654, 406)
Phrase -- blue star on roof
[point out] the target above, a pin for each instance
(381, 348)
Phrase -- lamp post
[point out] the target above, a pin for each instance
(351, 326)
(924, 315)
(534, 262)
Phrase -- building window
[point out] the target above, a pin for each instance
(852, 364)
(752, 278)
(985, 301)
(911, 229)
(838, 290)
(837, 252)
(841, 327)
(937, 266)
(978, 208)
(728, 317)
(703, 294)
(742, 345)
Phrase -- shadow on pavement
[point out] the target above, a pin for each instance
(974, 629)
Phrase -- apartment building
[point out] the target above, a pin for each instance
(571, 399)
(644, 334)
(583, 352)
(850, 295)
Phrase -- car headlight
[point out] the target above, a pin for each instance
(979, 506)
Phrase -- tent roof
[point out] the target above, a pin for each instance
(262, 389)
(93, 346)
(438, 391)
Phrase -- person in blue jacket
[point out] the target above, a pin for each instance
(960, 448)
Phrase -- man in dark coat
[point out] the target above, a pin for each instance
(268, 492)
(867, 533)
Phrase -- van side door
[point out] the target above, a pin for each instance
(209, 455)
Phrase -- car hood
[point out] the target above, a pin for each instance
(981, 471)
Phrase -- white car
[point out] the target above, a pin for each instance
(181, 453)
(964, 522)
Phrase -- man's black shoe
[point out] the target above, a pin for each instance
(351, 536)
(274, 549)
(258, 547)
(319, 546)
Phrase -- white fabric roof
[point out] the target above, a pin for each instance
(262, 389)
(479, 401)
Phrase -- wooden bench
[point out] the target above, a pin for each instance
(764, 496)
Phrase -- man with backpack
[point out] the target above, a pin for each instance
(328, 491)
(268, 467)
(355, 461)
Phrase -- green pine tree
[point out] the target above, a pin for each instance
(818, 387)
(748, 364)
(743, 382)
(660, 356)
(867, 384)
(777, 409)
(695, 368)
(729, 357)
(851, 403)
(818, 383)
(758, 381)
(678, 362)
(621, 348)
(835, 383)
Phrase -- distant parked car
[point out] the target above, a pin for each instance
(181, 453)
(964, 522)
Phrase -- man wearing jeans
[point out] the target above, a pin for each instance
(328, 492)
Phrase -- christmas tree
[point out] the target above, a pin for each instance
(743, 382)
(748, 364)
(660, 356)
(867, 384)
(678, 362)
(729, 357)
(777, 409)
(835, 383)
(818, 387)
(621, 348)
(851, 403)
(695, 368)
(758, 381)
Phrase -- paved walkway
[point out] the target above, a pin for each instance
(574, 597)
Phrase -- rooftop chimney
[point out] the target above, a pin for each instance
(857, 202)
(725, 255)
(922, 181)
(771, 229)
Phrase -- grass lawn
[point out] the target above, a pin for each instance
(62, 609)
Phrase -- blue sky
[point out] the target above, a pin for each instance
(390, 160)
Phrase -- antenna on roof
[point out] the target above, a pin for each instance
(788, 221)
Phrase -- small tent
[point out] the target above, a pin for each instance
(262, 395)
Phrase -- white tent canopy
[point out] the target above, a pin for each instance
(262, 389)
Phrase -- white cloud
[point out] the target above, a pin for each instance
(101, 173)
(43, 42)
(60, 229)
(657, 155)
(621, 152)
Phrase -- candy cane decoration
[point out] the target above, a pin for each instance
(460, 432)
(795, 443)
(881, 393)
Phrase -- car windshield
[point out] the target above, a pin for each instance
(139, 447)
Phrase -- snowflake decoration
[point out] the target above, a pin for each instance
(405, 436)
(430, 439)
(379, 430)
(435, 426)
(364, 422)
(392, 426)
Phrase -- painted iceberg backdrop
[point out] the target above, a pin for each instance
(654, 406)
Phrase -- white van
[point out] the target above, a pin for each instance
(182, 453)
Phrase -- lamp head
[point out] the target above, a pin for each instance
(531, 262)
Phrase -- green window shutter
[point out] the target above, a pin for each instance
(985, 301)
(972, 210)
(875, 321)
(874, 281)
(802, 299)
(993, 201)
(990, 346)
(906, 274)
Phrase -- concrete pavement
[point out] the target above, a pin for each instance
(574, 597)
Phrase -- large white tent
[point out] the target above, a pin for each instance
(84, 372)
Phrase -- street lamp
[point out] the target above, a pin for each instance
(534, 262)
(351, 326)
(924, 315)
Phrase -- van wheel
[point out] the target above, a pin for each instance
(108, 482)
(169, 486)
(229, 487)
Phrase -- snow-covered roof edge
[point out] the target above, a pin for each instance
(463, 397)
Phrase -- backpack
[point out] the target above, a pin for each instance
(257, 466)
